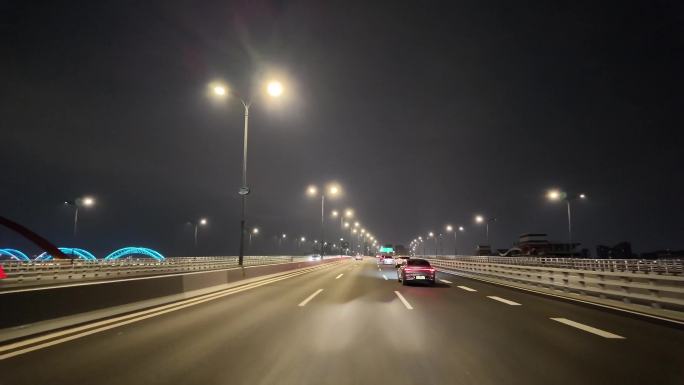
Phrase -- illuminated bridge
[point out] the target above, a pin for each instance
(294, 320)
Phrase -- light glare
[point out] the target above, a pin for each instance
(275, 88)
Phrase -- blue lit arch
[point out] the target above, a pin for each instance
(126, 251)
(69, 251)
(15, 254)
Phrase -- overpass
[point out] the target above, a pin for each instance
(351, 322)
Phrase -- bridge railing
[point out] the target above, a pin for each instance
(646, 266)
(621, 283)
(64, 270)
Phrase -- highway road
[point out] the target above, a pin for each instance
(353, 323)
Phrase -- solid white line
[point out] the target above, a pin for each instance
(507, 302)
(139, 316)
(309, 298)
(588, 328)
(338, 277)
(384, 276)
(403, 300)
(445, 281)
(466, 288)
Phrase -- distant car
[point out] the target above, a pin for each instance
(315, 257)
(386, 260)
(416, 270)
(358, 257)
(401, 260)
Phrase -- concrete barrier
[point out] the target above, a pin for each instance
(23, 307)
(653, 294)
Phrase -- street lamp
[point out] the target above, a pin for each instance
(197, 224)
(274, 89)
(556, 195)
(280, 240)
(77, 203)
(332, 190)
(449, 229)
(432, 235)
(254, 232)
(480, 219)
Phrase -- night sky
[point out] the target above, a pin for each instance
(426, 114)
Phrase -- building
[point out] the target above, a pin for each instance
(538, 244)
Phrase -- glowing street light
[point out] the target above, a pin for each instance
(85, 201)
(556, 195)
(275, 88)
(253, 233)
(334, 213)
(331, 190)
(481, 219)
(312, 191)
(221, 91)
(449, 229)
(197, 224)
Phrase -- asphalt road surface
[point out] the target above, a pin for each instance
(347, 324)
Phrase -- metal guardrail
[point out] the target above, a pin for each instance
(646, 266)
(60, 271)
(622, 282)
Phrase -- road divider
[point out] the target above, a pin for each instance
(42, 310)
(58, 337)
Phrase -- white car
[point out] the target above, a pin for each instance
(358, 257)
(387, 260)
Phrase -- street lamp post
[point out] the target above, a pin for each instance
(486, 221)
(201, 222)
(332, 190)
(275, 89)
(450, 228)
(78, 203)
(280, 241)
(254, 232)
(557, 195)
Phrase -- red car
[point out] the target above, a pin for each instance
(416, 270)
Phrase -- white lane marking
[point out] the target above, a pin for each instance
(507, 302)
(588, 328)
(384, 276)
(309, 298)
(445, 281)
(125, 320)
(466, 288)
(403, 300)
(338, 277)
